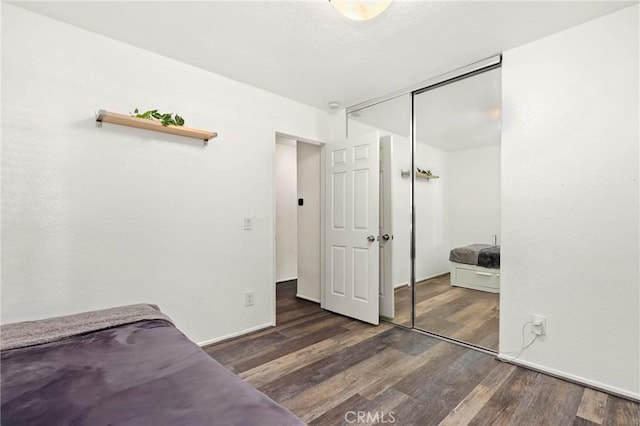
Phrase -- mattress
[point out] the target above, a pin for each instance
(140, 372)
(485, 255)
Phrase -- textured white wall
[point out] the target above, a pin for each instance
(474, 196)
(286, 210)
(309, 177)
(570, 231)
(432, 213)
(401, 188)
(94, 218)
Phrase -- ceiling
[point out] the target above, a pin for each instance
(465, 114)
(305, 50)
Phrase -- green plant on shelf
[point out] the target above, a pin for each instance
(165, 119)
(426, 172)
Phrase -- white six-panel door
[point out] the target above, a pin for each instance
(351, 279)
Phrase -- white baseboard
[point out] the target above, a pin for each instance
(433, 276)
(282, 280)
(236, 334)
(310, 299)
(572, 378)
(406, 283)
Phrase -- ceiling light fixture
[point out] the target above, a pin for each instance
(334, 105)
(495, 112)
(360, 10)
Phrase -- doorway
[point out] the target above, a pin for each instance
(298, 218)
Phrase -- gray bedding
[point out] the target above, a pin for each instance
(28, 333)
(142, 372)
(489, 257)
(484, 255)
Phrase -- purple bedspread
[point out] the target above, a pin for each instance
(143, 373)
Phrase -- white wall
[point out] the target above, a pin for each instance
(286, 210)
(474, 196)
(401, 188)
(432, 213)
(570, 231)
(94, 217)
(309, 178)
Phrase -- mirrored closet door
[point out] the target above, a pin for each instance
(457, 209)
(439, 205)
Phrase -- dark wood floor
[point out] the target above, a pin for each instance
(460, 313)
(323, 367)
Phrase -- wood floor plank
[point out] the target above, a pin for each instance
(579, 421)
(476, 331)
(313, 326)
(441, 356)
(233, 354)
(449, 308)
(479, 308)
(377, 411)
(382, 408)
(452, 384)
(242, 341)
(592, 406)
(317, 372)
(471, 405)
(559, 398)
(621, 412)
(324, 365)
(423, 306)
(516, 390)
(408, 341)
(361, 411)
(313, 402)
(292, 312)
(342, 413)
(464, 314)
(284, 347)
(287, 364)
(389, 377)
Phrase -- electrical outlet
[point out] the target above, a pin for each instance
(248, 298)
(247, 222)
(539, 325)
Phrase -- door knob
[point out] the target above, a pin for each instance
(386, 237)
(371, 238)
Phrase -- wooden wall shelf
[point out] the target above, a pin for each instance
(103, 116)
(426, 176)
